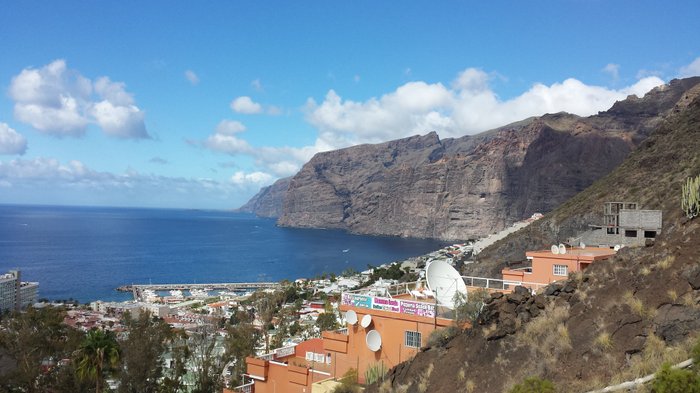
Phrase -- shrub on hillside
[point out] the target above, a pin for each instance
(670, 380)
(696, 353)
(440, 337)
(534, 385)
(467, 308)
(348, 383)
(345, 389)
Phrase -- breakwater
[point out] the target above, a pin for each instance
(138, 289)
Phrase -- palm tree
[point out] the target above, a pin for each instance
(98, 351)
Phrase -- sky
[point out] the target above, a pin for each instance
(199, 104)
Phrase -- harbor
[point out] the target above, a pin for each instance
(140, 290)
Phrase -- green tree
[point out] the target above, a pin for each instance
(327, 321)
(179, 356)
(208, 359)
(141, 353)
(266, 307)
(65, 380)
(241, 341)
(98, 353)
(33, 337)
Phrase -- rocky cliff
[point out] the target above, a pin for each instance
(269, 201)
(467, 187)
(618, 320)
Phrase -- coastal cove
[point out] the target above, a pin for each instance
(86, 252)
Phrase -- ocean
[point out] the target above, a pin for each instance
(84, 253)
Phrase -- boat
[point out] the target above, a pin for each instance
(176, 293)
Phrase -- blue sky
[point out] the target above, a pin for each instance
(198, 105)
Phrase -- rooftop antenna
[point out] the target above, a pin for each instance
(555, 249)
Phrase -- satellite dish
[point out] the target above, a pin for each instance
(445, 282)
(351, 317)
(617, 247)
(366, 321)
(582, 245)
(562, 249)
(555, 249)
(373, 340)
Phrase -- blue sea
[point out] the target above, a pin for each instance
(84, 253)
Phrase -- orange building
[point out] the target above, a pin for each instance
(398, 327)
(385, 331)
(402, 325)
(290, 369)
(547, 267)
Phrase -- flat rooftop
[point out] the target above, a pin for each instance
(588, 253)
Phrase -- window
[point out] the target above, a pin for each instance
(412, 339)
(561, 270)
(649, 234)
(630, 233)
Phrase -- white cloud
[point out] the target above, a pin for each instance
(468, 106)
(225, 139)
(74, 179)
(11, 142)
(613, 70)
(229, 144)
(59, 101)
(692, 69)
(245, 105)
(192, 77)
(277, 161)
(229, 127)
(120, 121)
(258, 178)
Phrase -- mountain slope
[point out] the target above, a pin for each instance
(631, 182)
(471, 186)
(269, 201)
(619, 319)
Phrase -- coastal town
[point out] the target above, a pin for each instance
(308, 332)
(310, 306)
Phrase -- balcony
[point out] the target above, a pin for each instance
(279, 353)
(248, 387)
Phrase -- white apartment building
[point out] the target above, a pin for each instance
(15, 294)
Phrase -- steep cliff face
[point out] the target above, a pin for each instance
(269, 201)
(471, 186)
(618, 320)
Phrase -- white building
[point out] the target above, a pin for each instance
(15, 294)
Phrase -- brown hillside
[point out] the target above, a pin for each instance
(650, 176)
(619, 320)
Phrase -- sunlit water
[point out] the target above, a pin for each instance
(86, 252)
